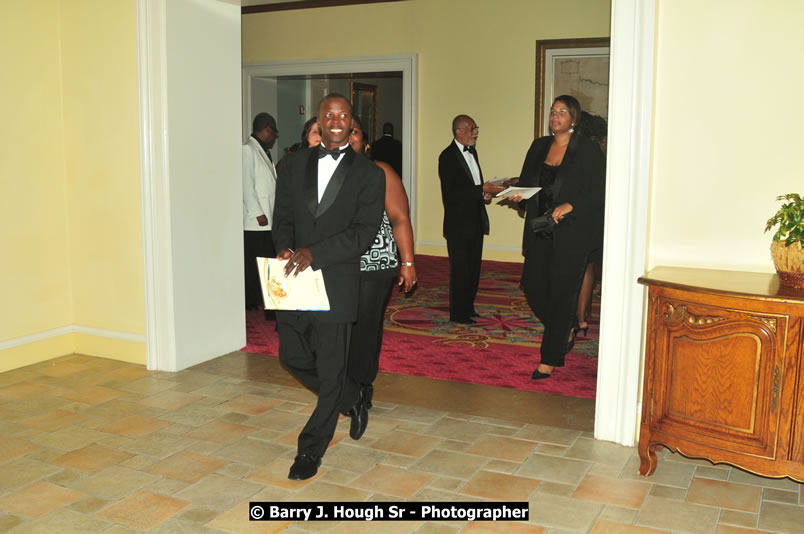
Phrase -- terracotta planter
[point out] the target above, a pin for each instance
(789, 263)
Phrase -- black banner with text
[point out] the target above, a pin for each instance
(388, 511)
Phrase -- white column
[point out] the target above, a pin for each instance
(628, 177)
(190, 109)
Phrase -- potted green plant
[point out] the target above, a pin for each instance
(786, 248)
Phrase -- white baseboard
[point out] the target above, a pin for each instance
(71, 329)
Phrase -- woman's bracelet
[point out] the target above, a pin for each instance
(407, 264)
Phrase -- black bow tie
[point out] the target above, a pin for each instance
(469, 149)
(335, 152)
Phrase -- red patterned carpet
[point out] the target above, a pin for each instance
(501, 349)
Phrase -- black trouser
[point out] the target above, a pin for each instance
(551, 283)
(464, 275)
(366, 341)
(316, 353)
(256, 244)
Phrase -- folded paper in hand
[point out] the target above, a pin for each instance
(305, 292)
(526, 192)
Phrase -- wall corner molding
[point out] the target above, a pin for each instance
(155, 191)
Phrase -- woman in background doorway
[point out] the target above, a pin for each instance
(310, 136)
(594, 127)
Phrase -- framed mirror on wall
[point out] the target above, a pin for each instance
(364, 106)
(577, 67)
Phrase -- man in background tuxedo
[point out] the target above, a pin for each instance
(388, 149)
(329, 204)
(464, 195)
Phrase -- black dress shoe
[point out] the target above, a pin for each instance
(474, 314)
(369, 395)
(359, 415)
(304, 466)
(467, 320)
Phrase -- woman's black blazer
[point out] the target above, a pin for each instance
(580, 181)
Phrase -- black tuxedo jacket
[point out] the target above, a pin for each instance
(580, 181)
(389, 150)
(337, 230)
(464, 207)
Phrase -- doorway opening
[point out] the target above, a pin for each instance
(293, 100)
(284, 88)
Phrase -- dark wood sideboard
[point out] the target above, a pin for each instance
(724, 370)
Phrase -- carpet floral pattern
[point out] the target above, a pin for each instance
(500, 349)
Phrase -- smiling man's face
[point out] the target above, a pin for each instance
(335, 117)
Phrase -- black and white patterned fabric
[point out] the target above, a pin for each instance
(382, 254)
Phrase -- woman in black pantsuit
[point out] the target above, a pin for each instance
(571, 170)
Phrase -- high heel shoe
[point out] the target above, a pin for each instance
(585, 322)
(583, 330)
(573, 335)
(539, 375)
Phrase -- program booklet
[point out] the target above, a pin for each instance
(526, 192)
(305, 292)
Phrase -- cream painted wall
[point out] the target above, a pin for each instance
(35, 286)
(475, 57)
(71, 279)
(101, 143)
(727, 129)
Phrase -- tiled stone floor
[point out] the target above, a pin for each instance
(95, 445)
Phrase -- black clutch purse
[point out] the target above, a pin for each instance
(542, 223)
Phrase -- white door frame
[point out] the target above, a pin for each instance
(630, 126)
(404, 63)
(157, 256)
(617, 406)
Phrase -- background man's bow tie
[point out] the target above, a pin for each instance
(335, 152)
(469, 148)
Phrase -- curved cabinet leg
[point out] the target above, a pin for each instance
(647, 458)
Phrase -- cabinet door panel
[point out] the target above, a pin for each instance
(713, 381)
(720, 376)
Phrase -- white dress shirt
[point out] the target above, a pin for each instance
(470, 160)
(326, 168)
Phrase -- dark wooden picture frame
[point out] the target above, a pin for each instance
(306, 4)
(364, 106)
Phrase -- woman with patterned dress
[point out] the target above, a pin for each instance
(388, 260)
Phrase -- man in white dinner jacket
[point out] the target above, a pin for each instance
(259, 188)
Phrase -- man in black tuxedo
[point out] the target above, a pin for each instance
(464, 195)
(388, 149)
(329, 204)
